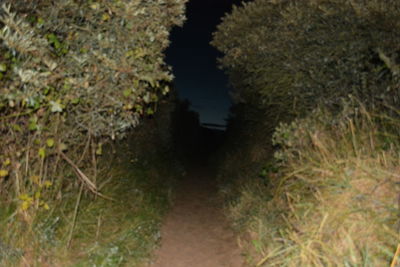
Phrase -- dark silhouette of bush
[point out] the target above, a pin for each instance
(285, 57)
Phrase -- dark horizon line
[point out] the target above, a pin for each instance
(214, 126)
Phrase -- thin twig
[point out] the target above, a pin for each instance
(392, 66)
(85, 149)
(396, 255)
(94, 160)
(98, 227)
(91, 186)
(15, 115)
(85, 180)
(75, 216)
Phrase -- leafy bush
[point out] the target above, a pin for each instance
(328, 197)
(286, 56)
(81, 231)
(136, 177)
(73, 75)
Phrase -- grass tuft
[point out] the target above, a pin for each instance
(331, 198)
(81, 229)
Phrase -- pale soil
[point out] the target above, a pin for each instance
(195, 233)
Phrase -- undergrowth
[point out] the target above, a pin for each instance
(76, 76)
(329, 197)
(120, 229)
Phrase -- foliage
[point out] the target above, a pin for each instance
(137, 173)
(286, 56)
(75, 74)
(328, 197)
(75, 77)
(333, 200)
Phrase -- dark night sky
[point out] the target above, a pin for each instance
(194, 60)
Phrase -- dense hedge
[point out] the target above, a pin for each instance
(286, 56)
(74, 74)
(316, 82)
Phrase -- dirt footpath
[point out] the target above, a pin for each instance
(195, 232)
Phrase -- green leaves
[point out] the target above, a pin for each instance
(99, 150)
(286, 57)
(3, 173)
(3, 67)
(33, 126)
(40, 22)
(50, 142)
(61, 48)
(56, 106)
(72, 70)
(52, 38)
(102, 67)
(127, 92)
(149, 111)
(42, 152)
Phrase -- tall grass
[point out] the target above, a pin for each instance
(82, 230)
(333, 200)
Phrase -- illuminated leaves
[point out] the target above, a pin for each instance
(127, 92)
(105, 17)
(103, 63)
(95, 6)
(45, 205)
(3, 173)
(7, 162)
(26, 202)
(35, 179)
(40, 22)
(33, 126)
(149, 111)
(60, 48)
(3, 67)
(29, 201)
(42, 152)
(47, 184)
(50, 142)
(99, 150)
(4, 168)
(76, 69)
(56, 106)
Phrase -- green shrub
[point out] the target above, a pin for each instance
(284, 57)
(328, 196)
(136, 177)
(74, 75)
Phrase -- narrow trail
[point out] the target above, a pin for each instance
(195, 233)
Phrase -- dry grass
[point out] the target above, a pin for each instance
(334, 200)
(102, 232)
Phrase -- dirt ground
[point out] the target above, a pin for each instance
(195, 233)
